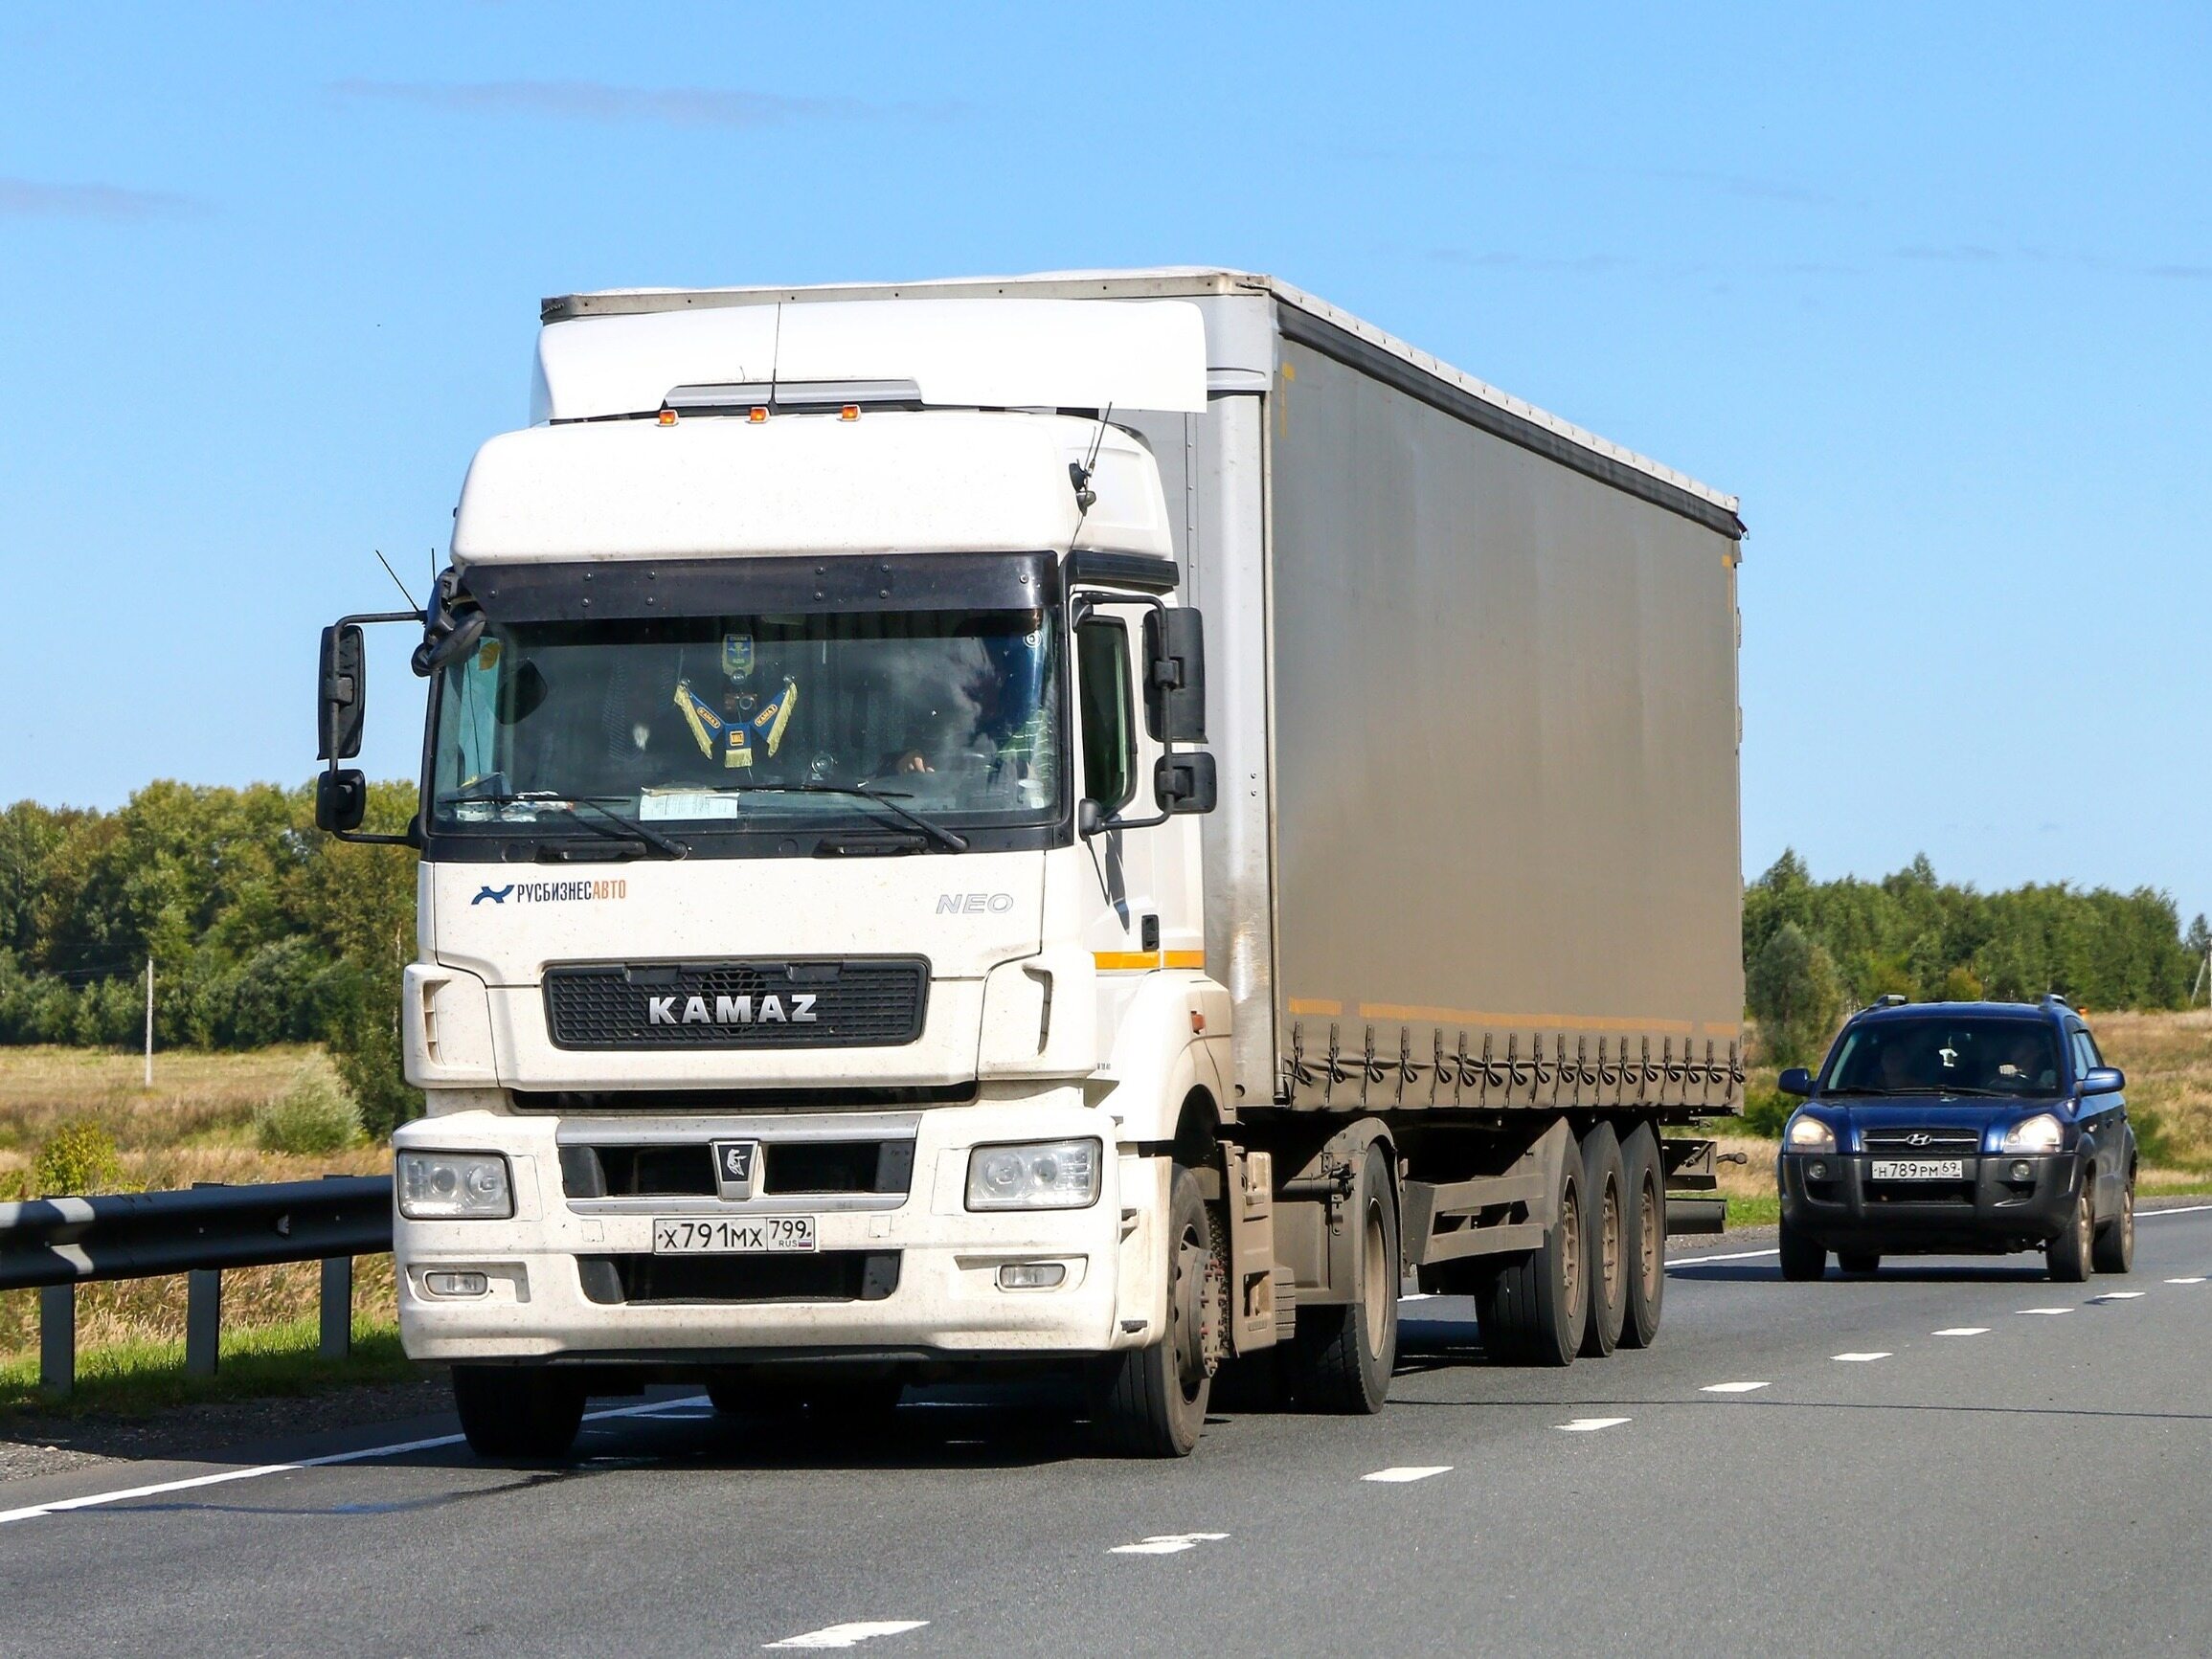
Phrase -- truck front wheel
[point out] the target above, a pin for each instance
(528, 1414)
(1151, 1401)
(1531, 1308)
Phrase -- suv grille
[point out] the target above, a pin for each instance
(1951, 1141)
(868, 1002)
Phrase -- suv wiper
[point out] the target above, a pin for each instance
(936, 831)
(1857, 1088)
(623, 825)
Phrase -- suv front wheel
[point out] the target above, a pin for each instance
(2068, 1255)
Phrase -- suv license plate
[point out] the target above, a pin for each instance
(1917, 1169)
(720, 1236)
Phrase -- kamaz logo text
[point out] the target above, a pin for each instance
(732, 1010)
(974, 904)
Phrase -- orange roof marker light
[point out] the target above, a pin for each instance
(667, 417)
(757, 413)
(850, 411)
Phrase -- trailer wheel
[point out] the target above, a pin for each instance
(1345, 1355)
(1646, 1232)
(1605, 1203)
(525, 1414)
(1531, 1308)
(1151, 1401)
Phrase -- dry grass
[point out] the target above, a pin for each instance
(2168, 1059)
(195, 1125)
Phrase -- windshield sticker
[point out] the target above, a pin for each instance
(737, 655)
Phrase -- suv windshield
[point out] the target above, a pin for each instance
(1937, 1055)
(753, 722)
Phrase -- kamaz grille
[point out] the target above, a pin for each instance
(873, 1002)
(1921, 1140)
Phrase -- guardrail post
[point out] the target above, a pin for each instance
(57, 1339)
(337, 1307)
(203, 1320)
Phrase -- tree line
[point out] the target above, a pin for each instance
(1811, 949)
(260, 928)
(263, 930)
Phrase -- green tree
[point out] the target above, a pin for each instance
(1795, 994)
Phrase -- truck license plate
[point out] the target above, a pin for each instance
(721, 1236)
(1917, 1169)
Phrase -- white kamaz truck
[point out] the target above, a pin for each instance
(1088, 822)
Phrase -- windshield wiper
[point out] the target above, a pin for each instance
(1857, 1088)
(623, 825)
(930, 827)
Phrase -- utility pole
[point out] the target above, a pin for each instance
(149, 1021)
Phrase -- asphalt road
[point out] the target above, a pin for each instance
(1957, 1455)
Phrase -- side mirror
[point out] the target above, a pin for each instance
(1174, 676)
(2103, 1080)
(1183, 783)
(341, 799)
(1794, 1081)
(1089, 817)
(340, 696)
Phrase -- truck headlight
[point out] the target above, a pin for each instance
(448, 1186)
(1809, 1134)
(2042, 1133)
(1045, 1174)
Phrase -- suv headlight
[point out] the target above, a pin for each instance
(1045, 1174)
(2042, 1133)
(1809, 1134)
(448, 1186)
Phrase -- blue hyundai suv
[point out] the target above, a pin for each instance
(1959, 1128)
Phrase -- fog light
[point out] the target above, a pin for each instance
(1031, 1275)
(2023, 1171)
(1815, 1171)
(456, 1284)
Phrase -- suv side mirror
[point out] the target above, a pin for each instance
(341, 799)
(341, 703)
(2103, 1080)
(1175, 675)
(1183, 783)
(1794, 1081)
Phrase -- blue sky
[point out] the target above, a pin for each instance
(1929, 287)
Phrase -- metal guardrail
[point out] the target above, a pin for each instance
(55, 1244)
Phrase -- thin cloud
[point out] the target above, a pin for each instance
(30, 199)
(683, 106)
(1502, 260)
(1971, 254)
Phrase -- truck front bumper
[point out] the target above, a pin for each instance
(2004, 1202)
(915, 1277)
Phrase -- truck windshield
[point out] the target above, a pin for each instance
(1940, 1056)
(752, 721)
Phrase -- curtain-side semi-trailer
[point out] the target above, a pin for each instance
(1089, 823)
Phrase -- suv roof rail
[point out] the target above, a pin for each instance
(1889, 999)
(2054, 997)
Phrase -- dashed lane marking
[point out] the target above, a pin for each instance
(2120, 1297)
(850, 1635)
(366, 1455)
(1732, 1256)
(1592, 1424)
(2050, 1311)
(1964, 1331)
(2197, 1280)
(1863, 1359)
(1411, 1472)
(1733, 1387)
(1166, 1543)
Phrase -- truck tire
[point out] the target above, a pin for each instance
(1803, 1258)
(1345, 1355)
(1645, 1229)
(1151, 1401)
(2114, 1251)
(2068, 1257)
(1531, 1308)
(523, 1414)
(1605, 1207)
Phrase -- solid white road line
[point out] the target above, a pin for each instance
(1732, 1256)
(1964, 1331)
(1733, 1387)
(1863, 1358)
(2177, 1210)
(367, 1454)
(2051, 1311)
(1590, 1424)
(850, 1635)
(2197, 1280)
(1167, 1544)
(1412, 1471)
